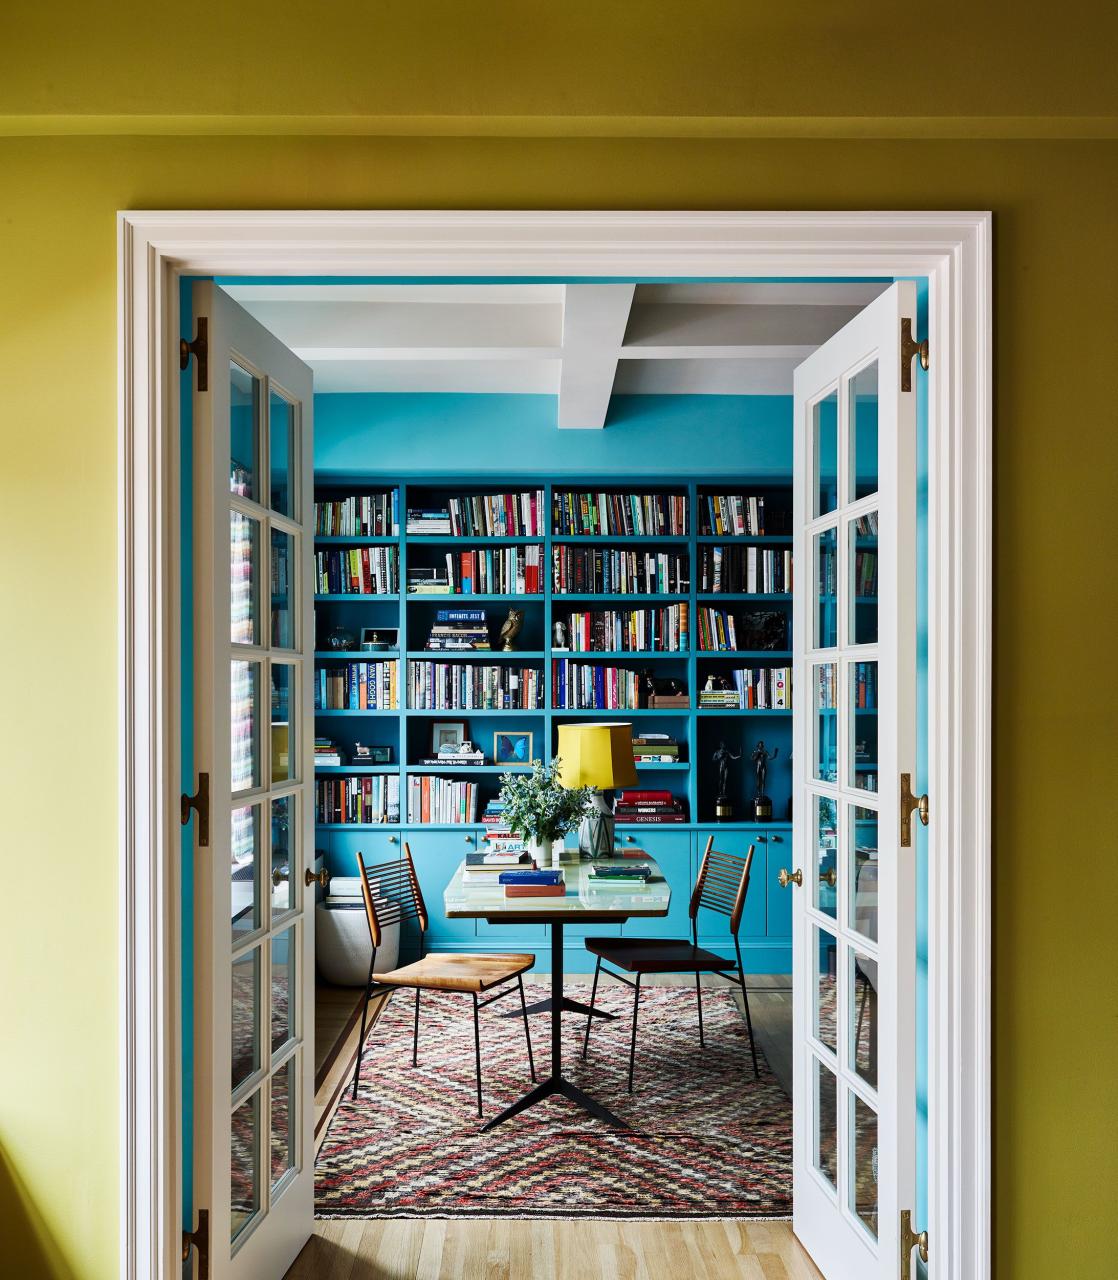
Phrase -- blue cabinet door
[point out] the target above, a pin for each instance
(714, 928)
(779, 900)
(436, 855)
(672, 852)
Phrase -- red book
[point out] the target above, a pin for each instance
(535, 890)
(637, 796)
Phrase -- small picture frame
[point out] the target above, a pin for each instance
(512, 748)
(379, 639)
(448, 733)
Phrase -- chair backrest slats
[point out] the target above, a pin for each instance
(722, 884)
(391, 892)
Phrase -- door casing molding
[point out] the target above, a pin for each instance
(953, 250)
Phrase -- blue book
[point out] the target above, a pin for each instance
(530, 877)
(460, 615)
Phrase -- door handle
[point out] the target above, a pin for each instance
(794, 877)
(322, 879)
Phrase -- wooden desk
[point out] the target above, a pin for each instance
(583, 903)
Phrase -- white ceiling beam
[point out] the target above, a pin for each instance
(768, 376)
(478, 377)
(698, 326)
(594, 321)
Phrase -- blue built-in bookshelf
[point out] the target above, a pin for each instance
(762, 628)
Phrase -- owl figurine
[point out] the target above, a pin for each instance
(510, 629)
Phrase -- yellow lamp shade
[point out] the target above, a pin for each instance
(596, 755)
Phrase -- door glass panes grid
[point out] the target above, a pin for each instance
(841, 806)
(266, 649)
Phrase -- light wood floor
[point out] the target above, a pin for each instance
(507, 1249)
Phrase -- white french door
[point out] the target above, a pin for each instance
(855, 735)
(254, 935)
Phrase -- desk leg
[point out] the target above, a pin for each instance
(565, 1003)
(556, 1083)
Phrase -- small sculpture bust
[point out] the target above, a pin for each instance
(722, 760)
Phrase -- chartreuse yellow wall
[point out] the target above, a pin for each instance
(842, 74)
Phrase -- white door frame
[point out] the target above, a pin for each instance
(953, 250)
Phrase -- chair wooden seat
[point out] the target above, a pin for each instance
(448, 971)
(657, 955)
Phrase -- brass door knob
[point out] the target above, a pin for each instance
(790, 877)
(828, 877)
(279, 875)
(322, 879)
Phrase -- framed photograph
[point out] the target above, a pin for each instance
(448, 733)
(380, 639)
(512, 748)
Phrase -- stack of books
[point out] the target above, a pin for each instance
(619, 514)
(356, 571)
(755, 688)
(634, 876)
(368, 515)
(663, 630)
(484, 868)
(326, 752)
(358, 800)
(357, 686)
(655, 748)
(745, 570)
(463, 755)
(642, 805)
(496, 828)
(460, 686)
(459, 629)
(484, 571)
(441, 800)
(733, 513)
(344, 894)
(497, 515)
(579, 570)
(434, 521)
(543, 883)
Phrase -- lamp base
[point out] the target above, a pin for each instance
(596, 830)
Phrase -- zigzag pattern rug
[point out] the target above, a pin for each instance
(707, 1139)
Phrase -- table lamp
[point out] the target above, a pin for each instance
(598, 756)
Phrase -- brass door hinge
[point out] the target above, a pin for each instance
(911, 1240)
(199, 1239)
(199, 349)
(909, 348)
(911, 804)
(200, 803)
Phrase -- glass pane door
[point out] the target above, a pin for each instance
(854, 915)
(253, 651)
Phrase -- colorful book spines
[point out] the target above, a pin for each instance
(663, 630)
(580, 570)
(441, 800)
(458, 686)
(357, 800)
(357, 571)
(497, 515)
(603, 514)
(369, 515)
(357, 686)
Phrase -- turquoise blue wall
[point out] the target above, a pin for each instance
(465, 435)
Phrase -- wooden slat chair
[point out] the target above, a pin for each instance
(721, 886)
(392, 894)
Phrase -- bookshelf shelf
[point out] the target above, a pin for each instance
(698, 730)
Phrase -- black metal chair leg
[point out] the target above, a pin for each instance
(527, 1032)
(633, 1041)
(749, 1027)
(364, 1019)
(699, 1002)
(477, 1052)
(415, 1033)
(590, 1015)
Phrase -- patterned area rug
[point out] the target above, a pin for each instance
(707, 1139)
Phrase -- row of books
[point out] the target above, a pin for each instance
(326, 752)
(459, 629)
(364, 515)
(863, 688)
(643, 805)
(578, 570)
(483, 571)
(357, 571)
(483, 515)
(663, 630)
(718, 631)
(865, 573)
(357, 686)
(582, 686)
(751, 570)
(618, 514)
(434, 799)
(373, 799)
(736, 514)
(760, 688)
(470, 686)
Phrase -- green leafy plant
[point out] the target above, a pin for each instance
(538, 807)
